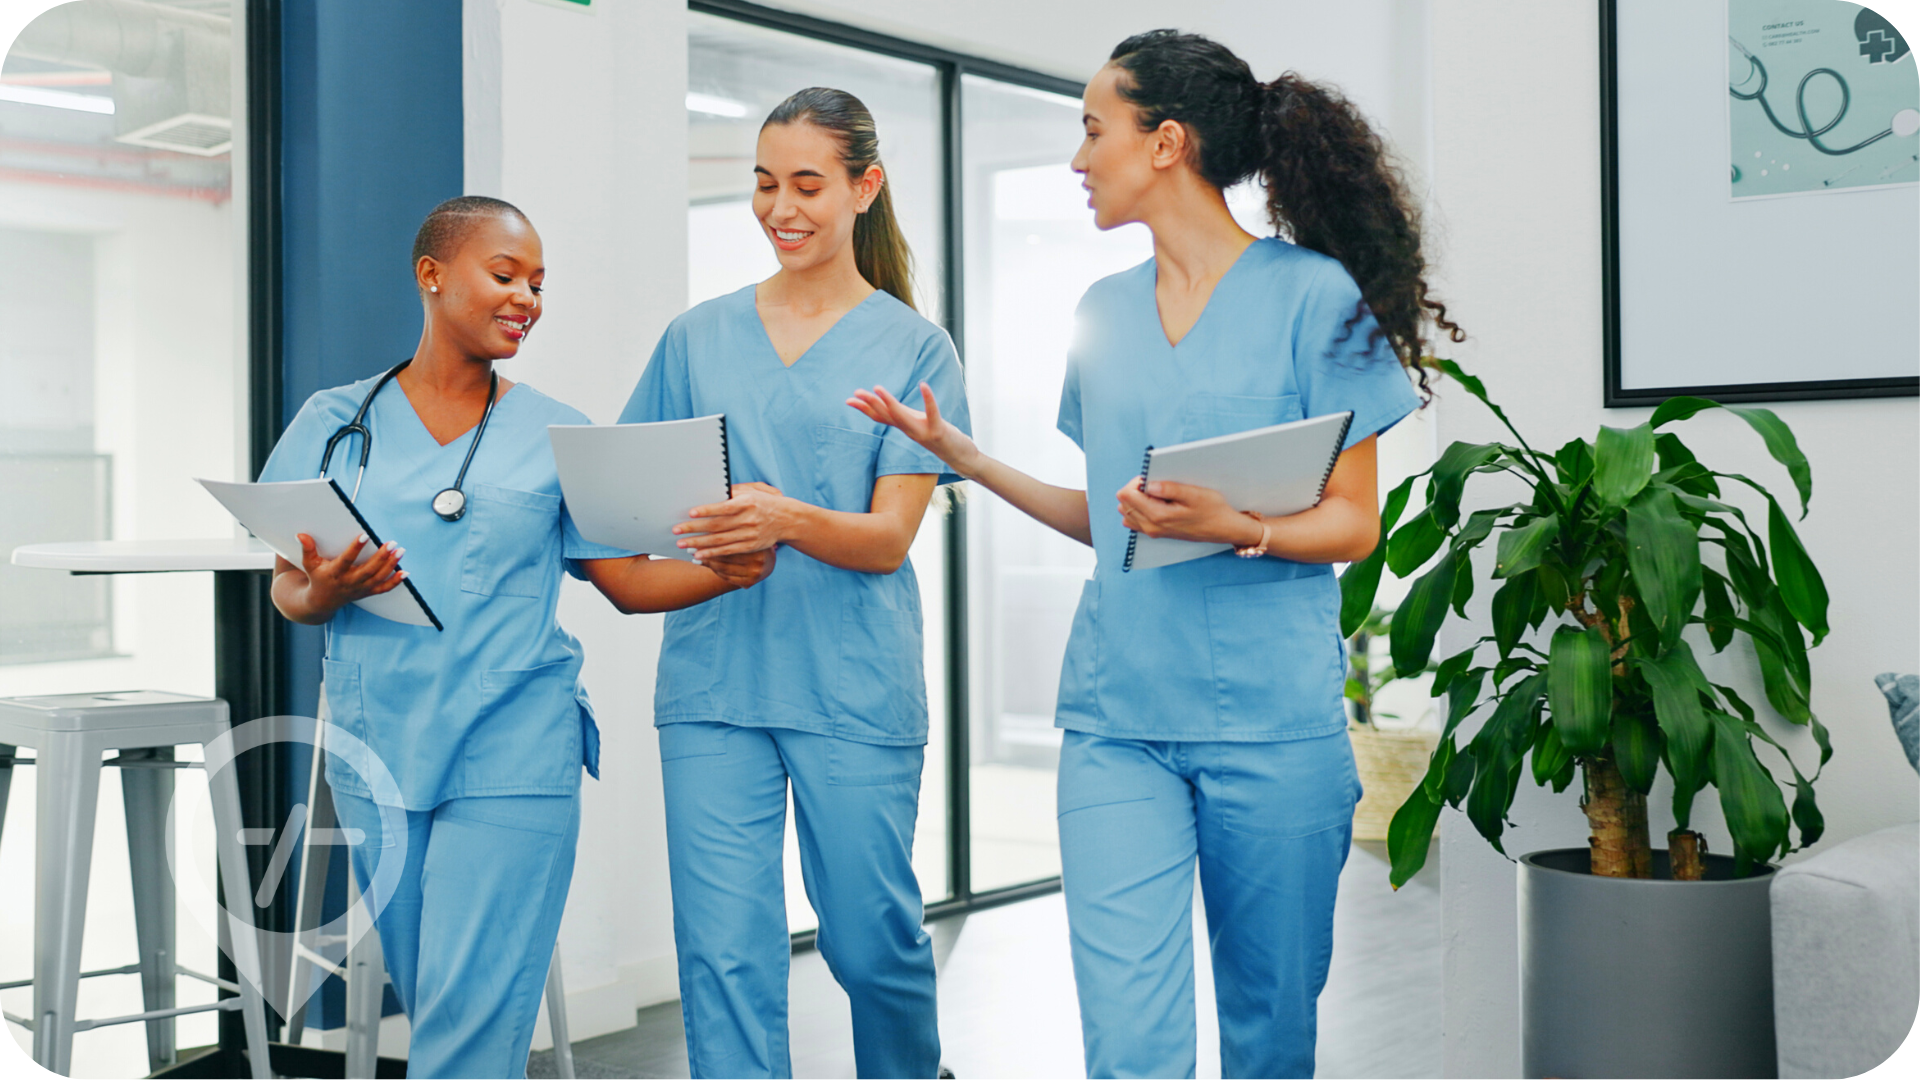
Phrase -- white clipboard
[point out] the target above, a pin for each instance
(278, 512)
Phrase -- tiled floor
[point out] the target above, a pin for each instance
(1007, 1006)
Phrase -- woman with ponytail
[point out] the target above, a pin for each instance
(815, 681)
(1202, 701)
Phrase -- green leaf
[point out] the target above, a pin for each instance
(1549, 756)
(1800, 584)
(1719, 609)
(1664, 554)
(1553, 588)
(1450, 668)
(1513, 609)
(1418, 620)
(1580, 688)
(1490, 797)
(1622, 463)
(1676, 681)
(1415, 542)
(1460, 773)
(1674, 455)
(1576, 463)
(1435, 784)
(1636, 749)
(1755, 811)
(1772, 430)
(1361, 582)
(1463, 586)
(1450, 477)
(1463, 694)
(1521, 549)
(1806, 813)
(1409, 836)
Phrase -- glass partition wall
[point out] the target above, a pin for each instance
(977, 155)
(122, 351)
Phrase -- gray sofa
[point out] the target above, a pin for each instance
(1846, 954)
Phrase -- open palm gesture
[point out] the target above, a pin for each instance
(929, 429)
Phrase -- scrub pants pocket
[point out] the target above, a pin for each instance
(1276, 652)
(881, 678)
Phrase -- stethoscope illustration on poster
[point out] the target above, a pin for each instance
(1822, 97)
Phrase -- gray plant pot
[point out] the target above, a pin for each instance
(1624, 977)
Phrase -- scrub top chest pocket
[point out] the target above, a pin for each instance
(846, 461)
(513, 542)
(1205, 416)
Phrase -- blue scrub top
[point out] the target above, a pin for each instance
(1219, 648)
(492, 704)
(814, 648)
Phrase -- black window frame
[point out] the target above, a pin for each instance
(952, 67)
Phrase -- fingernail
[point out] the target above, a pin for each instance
(362, 540)
(397, 552)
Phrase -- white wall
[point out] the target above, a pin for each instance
(1516, 171)
(583, 126)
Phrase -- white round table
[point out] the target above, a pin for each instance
(146, 556)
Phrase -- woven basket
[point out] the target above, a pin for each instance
(1391, 765)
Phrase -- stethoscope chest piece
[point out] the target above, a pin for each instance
(450, 504)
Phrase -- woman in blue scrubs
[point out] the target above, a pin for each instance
(483, 724)
(1202, 701)
(814, 679)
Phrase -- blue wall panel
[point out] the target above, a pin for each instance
(371, 139)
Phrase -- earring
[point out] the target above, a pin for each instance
(433, 288)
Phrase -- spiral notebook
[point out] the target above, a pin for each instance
(1273, 471)
(628, 485)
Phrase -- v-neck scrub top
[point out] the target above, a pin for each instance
(814, 647)
(1219, 648)
(492, 704)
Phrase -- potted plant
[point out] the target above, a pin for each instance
(1635, 962)
(1391, 760)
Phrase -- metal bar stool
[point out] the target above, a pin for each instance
(69, 733)
(363, 966)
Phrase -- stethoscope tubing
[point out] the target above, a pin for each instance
(1807, 130)
(358, 426)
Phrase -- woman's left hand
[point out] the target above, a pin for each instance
(1185, 512)
(741, 571)
(755, 518)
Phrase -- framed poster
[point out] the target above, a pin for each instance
(1760, 201)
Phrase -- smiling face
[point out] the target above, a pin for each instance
(485, 297)
(806, 203)
(1119, 164)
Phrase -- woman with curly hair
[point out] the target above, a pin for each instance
(1202, 701)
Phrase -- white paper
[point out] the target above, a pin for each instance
(628, 485)
(277, 513)
(1273, 471)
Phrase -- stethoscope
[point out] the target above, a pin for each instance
(451, 503)
(1807, 130)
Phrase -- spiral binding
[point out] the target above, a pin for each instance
(1339, 443)
(1133, 535)
(726, 462)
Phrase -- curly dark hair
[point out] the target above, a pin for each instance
(1331, 184)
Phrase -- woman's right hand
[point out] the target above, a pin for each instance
(334, 583)
(929, 429)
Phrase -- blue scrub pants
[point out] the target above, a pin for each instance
(469, 930)
(1269, 824)
(854, 810)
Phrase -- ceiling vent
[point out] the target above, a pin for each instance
(187, 133)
